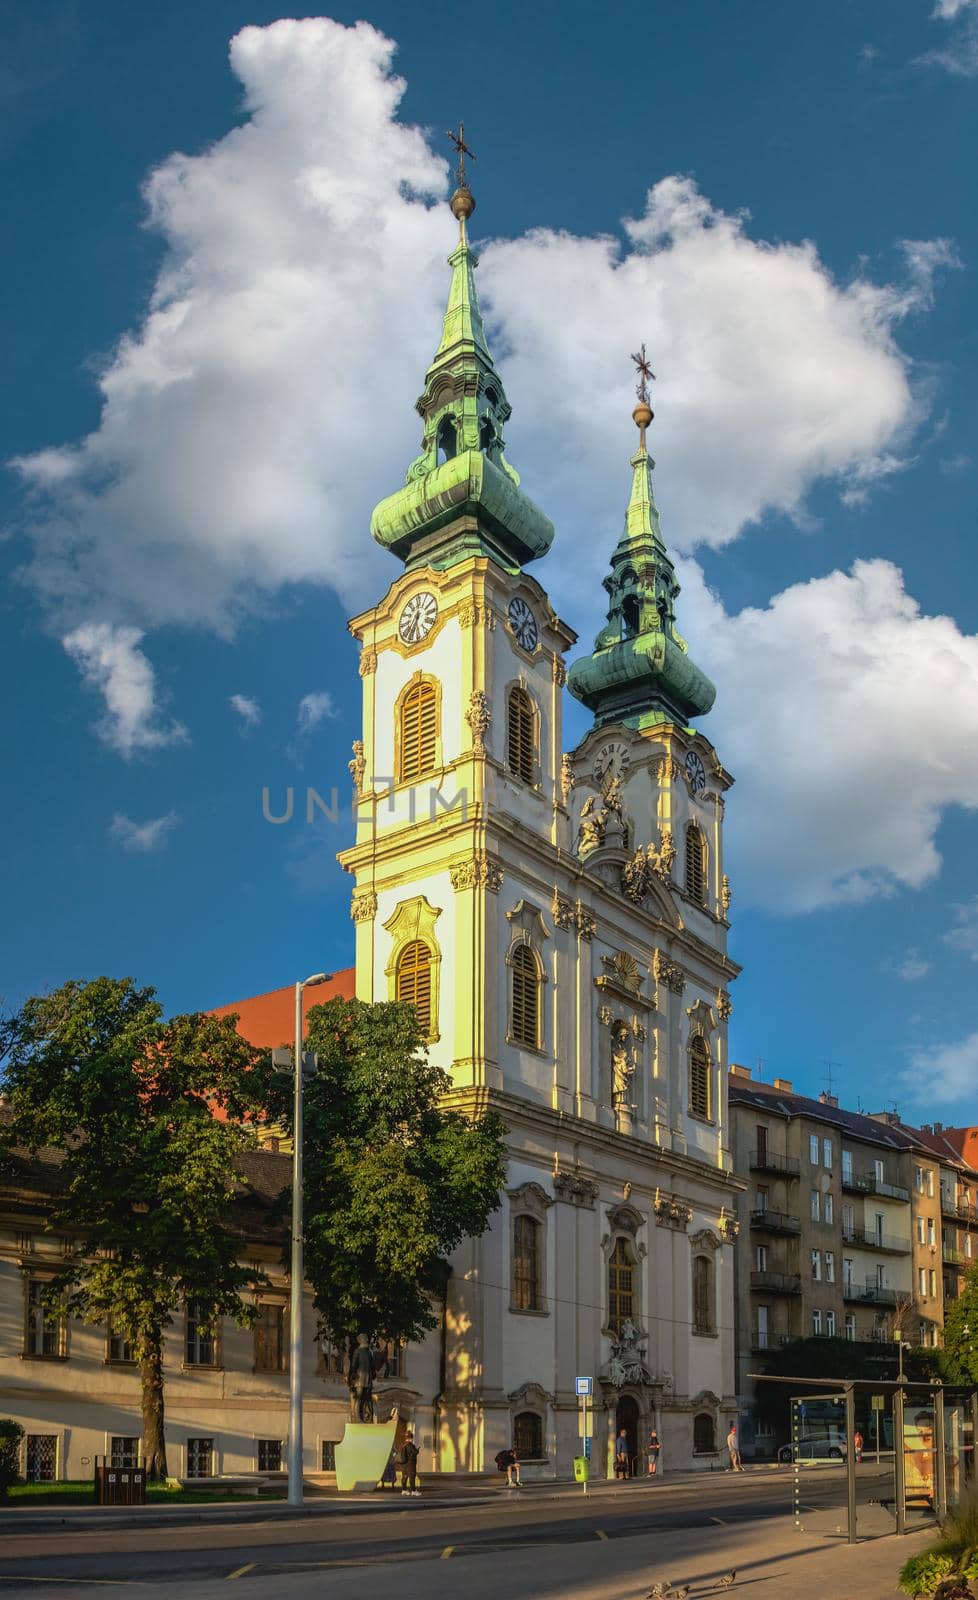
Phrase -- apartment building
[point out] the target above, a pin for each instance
(956, 1150)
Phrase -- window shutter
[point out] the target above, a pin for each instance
(418, 744)
(520, 735)
(699, 1078)
(414, 981)
(695, 864)
(525, 1019)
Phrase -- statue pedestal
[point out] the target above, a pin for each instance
(362, 1454)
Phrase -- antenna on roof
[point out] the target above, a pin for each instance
(829, 1080)
(760, 1069)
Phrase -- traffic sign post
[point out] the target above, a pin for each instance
(584, 1387)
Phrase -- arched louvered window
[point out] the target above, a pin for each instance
(696, 864)
(528, 1435)
(526, 1263)
(704, 1434)
(417, 744)
(704, 1300)
(520, 735)
(524, 1027)
(414, 981)
(621, 1285)
(699, 1077)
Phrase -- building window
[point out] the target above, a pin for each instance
(932, 1275)
(830, 1266)
(830, 1324)
(332, 1360)
(932, 1236)
(848, 1221)
(847, 1166)
(921, 1236)
(760, 1257)
(922, 1281)
(117, 1346)
(413, 981)
(704, 1434)
(813, 1149)
(851, 1327)
(760, 1203)
(269, 1455)
(519, 735)
(41, 1465)
(123, 1451)
(696, 864)
(390, 1359)
(704, 1299)
(817, 1324)
(827, 1153)
(200, 1458)
(270, 1338)
(46, 1333)
(524, 1025)
(918, 1179)
(829, 1208)
(526, 1263)
(699, 1078)
(621, 1285)
(417, 743)
(878, 1171)
(528, 1435)
(816, 1205)
(327, 1457)
(847, 1270)
(930, 1182)
(817, 1265)
(200, 1345)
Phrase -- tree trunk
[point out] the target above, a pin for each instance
(151, 1376)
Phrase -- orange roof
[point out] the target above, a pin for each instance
(267, 1020)
(965, 1142)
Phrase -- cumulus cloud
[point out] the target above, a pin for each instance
(142, 836)
(960, 53)
(913, 967)
(945, 1074)
(837, 801)
(247, 709)
(963, 935)
(111, 662)
(314, 709)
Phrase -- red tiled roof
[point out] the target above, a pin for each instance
(267, 1020)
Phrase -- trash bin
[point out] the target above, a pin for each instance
(582, 1469)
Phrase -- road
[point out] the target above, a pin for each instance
(513, 1544)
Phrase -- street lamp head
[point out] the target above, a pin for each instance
(317, 977)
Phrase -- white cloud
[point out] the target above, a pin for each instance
(963, 935)
(913, 967)
(111, 662)
(247, 709)
(960, 54)
(945, 1074)
(851, 722)
(947, 10)
(142, 836)
(314, 709)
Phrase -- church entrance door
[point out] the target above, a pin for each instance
(627, 1417)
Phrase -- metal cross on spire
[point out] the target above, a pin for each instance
(462, 150)
(644, 369)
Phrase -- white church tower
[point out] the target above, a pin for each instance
(560, 922)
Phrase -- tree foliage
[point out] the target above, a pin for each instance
(394, 1180)
(145, 1117)
(960, 1352)
(11, 1437)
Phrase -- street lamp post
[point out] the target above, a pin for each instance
(295, 1287)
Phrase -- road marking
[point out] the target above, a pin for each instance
(239, 1572)
(601, 1533)
(720, 1520)
(447, 1552)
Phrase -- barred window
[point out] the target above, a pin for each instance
(696, 864)
(413, 984)
(704, 1299)
(699, 1078)
(418, 734)
(525, 1016)
(704, 1434)
(621, 1285)
(528, 1435)
(520, 735)
(269, 1455)
(200, 1458)
(526, 1263)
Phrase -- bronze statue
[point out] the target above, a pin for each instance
(360, 1378)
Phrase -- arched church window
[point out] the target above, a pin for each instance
(621, 1285)
(704, 1434)
(704, 1298)
(696, 864)
(524, 1026)
(413, 981)
(629, 617)
(519, 735)
(417, 745)
(699, 1077)
(526, 1263)
(487, 434)
(528, 1435)
(447, 439)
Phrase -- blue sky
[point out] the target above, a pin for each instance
(240, 344)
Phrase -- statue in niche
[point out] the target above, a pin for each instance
(591, 831)
(622, 1067)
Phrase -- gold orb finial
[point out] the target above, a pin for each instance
(462, 203)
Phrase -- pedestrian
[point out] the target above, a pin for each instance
(857, 1445)
(652, 1450)
(409, 1465)
(389, 1479)
(507, 1461)
(621, 1455)
(733, 1449)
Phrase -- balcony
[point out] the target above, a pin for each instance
(774, 1222)
(869, 1183)
(869, 1239)
(868, 1294)
(776, 1282)
(954, 1258)
(767, 1161)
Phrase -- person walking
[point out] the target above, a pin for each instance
(857, 1445)
(507, 1461)
(621, 1455)
(733, 1449)
(409, 1465)
(652, 1451)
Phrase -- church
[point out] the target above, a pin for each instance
(559, 919)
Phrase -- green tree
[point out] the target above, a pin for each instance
(960, 1352)
(394, 1179)
(11, 1435)
(146, 1117)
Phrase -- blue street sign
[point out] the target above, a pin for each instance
(583, 1385)
(587, 1448)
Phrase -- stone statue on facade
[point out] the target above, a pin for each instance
(627, 1363)
(360, 1378)
(590, 834)
(622, 1068)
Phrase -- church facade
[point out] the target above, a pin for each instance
(560, 920)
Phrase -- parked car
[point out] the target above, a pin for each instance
(823, 1449)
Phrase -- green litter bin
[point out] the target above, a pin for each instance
(582, 1469)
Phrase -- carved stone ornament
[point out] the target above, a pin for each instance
(478, 872)
(628, 1362)
(605, 1016)
(563, 911)
(625, 1219)
(585, 921)
(368, 661)
(724, 1006)
(624, 970)
(652, 862)
(671, 1213)
(590, 833)
(530, 1394)
(363, 906)
(559, 672)
(530, 1197)
(472, 613)
(668, 972)
(726, 893)
(575, 1189)
(358, 766)
(730, 1228)
(479, 716)
(705, 1239)
(566, 777)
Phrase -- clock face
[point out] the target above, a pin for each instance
(418, 618)
(695, 772)
(523, 623)
(612, 760)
